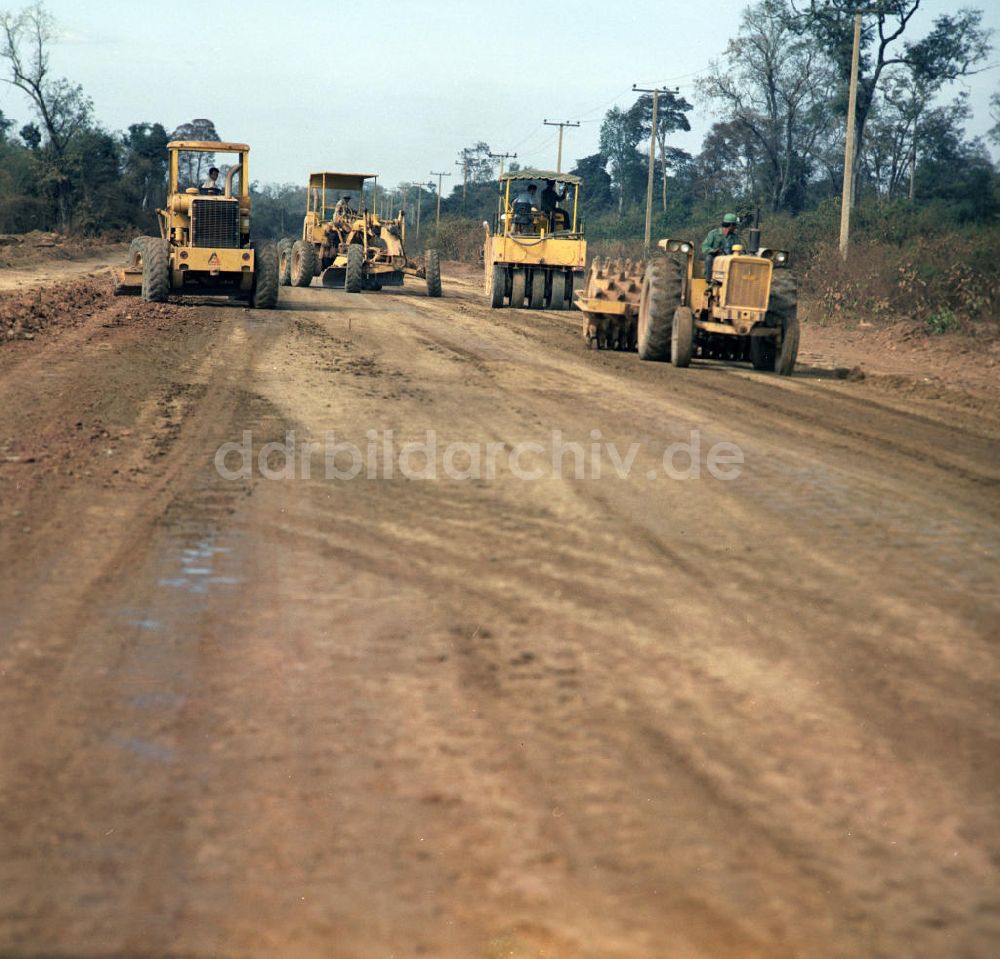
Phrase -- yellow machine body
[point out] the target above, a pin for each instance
(540, 253)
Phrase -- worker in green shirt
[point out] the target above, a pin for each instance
(720, 241)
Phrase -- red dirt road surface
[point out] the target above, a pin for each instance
(259, 713)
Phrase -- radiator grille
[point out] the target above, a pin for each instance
(748, 285)
(215, 223)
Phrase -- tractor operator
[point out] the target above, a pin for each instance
(343, 208)
(524, 203)
(720, 241)
(550, 199)
(212, 183)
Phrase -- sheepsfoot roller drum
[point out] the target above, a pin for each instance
(204, 247)
(347, 246)
(534, 253)
(746, 311)
(610, 304)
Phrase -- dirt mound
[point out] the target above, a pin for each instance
(24, 313)
(21, 249)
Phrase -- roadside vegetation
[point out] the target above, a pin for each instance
(926, 226)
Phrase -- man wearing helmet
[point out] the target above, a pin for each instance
(720, 241)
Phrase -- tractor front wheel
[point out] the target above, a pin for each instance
(536, 298)
(303, 266)
(432, 270)
(518, 287)
(498, 286)
(561, 283)
(284, 262)
(354, 278)
(264, 295)
(660, 296)
(154, 255)
(682, 337)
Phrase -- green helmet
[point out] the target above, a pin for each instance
(730, 219)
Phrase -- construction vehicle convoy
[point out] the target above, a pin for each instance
(204, 246)
(351, 248)
(535, 252)
(668, 310)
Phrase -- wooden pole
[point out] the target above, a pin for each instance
(847, 197)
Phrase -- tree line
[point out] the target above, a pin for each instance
(778, 96)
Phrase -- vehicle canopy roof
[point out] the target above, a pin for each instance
(541, 175)
(339, 181)
(207, 146)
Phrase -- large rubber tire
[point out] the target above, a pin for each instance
(682, 337)
(303, 266)
(536, 295)
(285, 262)
(662, 293)
(561, 282)
(264, 293)
(432, 270)
(763, 352)
(155, 254)
(784, 308)
(498, 286)
(354, 278)
(518, 287)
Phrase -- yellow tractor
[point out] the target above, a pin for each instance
(746, 310)
(204, 246)
(347, 245)
(535, 252)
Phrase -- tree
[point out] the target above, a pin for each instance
(145, 165)
(671, 111)
(953, 48)
(5, 125)
(62, 108)
(479, 165)
(774, 85)
(192, 168)
(621, 133)
(596, 194)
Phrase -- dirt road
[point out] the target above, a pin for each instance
(746, 714)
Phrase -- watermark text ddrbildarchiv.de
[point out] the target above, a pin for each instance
(381, 456)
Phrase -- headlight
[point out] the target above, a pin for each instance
(780, 257)
(685, 248)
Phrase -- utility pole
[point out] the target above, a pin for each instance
(501, 157)
(439, 174)
(561, 124)
(652, 157)
(847, 198)
(464, 164)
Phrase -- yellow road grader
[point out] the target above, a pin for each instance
(534, 256)
(204, 246)
(348, 246)
(668, 310)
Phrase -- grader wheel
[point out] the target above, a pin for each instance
(615, 282)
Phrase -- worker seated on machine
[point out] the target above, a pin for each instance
(525, 203)
(557, 218)
(343, 211)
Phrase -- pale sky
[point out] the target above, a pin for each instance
(398, 88)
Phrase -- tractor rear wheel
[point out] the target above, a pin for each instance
(264, 294)
(303, 267)
(155, 258)
(660, 297)
(784, 307)
(284, 262)
(354, 278)
(518, 287)
(536, 299)
(432, 270)
(561, 282)
(682, 337)
(498, 286)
